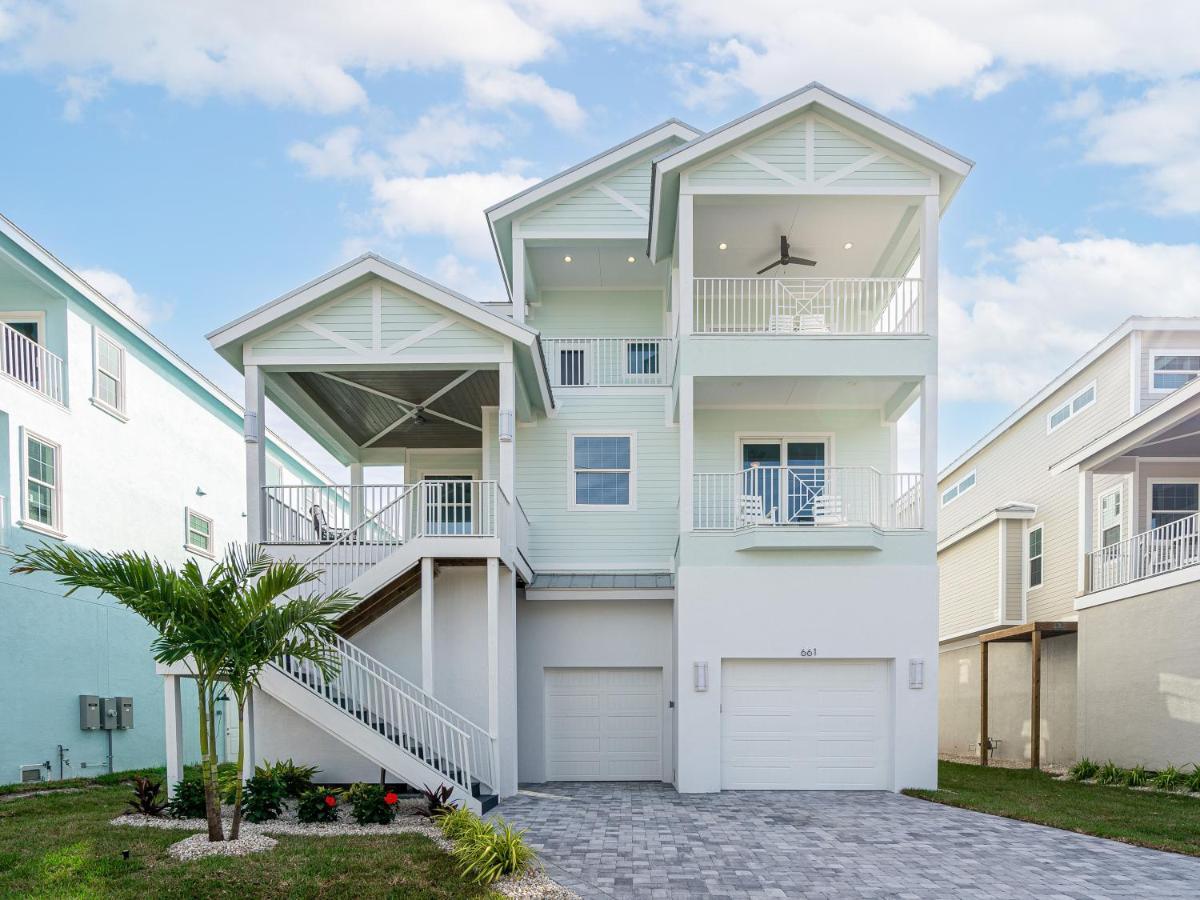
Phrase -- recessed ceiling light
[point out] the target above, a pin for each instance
(847, 245)
(566, 259)
(722, 246)
(631, 259)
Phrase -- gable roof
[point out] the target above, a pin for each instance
(952, 166)
(500, 216)
(85, 292)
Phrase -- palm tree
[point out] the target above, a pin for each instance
(225, 627)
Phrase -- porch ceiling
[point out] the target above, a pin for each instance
(366, 404)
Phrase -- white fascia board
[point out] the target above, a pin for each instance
(1019, 511)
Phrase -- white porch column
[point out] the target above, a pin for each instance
(518, 279)
(493, 655)
(929, 469)
(173, 714)
(686, 460)
(686, 254)
(255, 432)
(506, 478)
(356, 493)
(1086, 512)
(248, 737)
(930, 217)
(427, 624)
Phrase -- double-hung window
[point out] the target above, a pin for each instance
(1110, 518)
(109, 377)
(1171, 501)
(1077, 404)
(43, 483)
(1034, 556)
(198, 533)
(603, 471)
(1170, 371)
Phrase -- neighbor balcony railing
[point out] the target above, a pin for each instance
(807, 306)
(1167, 548)
(806, 496)
(29, 363)
(608, 361)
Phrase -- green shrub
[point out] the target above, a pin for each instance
(1110, 773)
(1137, 776)
(319, 805)
(373, 805)
(355, 790)
(1084, 769)
(189, 799)
(458, 823)
(1192, 780)
(262, 798)
(492, 852)
(296, 779)
(1169, 779)
(147, 798)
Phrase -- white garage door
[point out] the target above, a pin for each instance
(805, 724)
(603, 724)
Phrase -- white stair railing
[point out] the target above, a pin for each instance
(1166, 548)
(360, 548)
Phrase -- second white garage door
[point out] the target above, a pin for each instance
(603, 724)
(805, 724)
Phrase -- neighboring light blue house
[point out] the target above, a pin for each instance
(108, 440)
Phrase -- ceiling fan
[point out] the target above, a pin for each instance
(786, 258)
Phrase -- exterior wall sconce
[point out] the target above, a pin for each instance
(506, 425)
(250, 428)
(916, 674)
(200, 492)
(700, 676)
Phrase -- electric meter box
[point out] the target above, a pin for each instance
(108, 713)
(89, 712)
(124, 712)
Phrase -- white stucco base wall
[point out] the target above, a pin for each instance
(585, 633)
(886, 612)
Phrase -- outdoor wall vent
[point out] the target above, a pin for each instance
(916, 674)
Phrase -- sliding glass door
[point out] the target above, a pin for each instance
(787, 475)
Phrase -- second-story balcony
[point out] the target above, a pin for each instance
(608, 361)
(807, 306)
(28, 363)
(1170, 547)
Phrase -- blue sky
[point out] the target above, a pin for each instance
(195, 164)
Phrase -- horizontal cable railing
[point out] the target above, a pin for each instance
(772, 496)
(807, 306)
(1166, 548)
(29, 363)
(608, 361)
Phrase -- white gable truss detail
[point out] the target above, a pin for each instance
(620, 201)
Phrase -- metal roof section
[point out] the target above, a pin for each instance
(602, 581)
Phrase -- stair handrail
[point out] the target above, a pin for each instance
(350, 539)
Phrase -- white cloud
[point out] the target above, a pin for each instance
(146, 310)
(335, 156)
(468, 279)
(1002, 337)
(442, 137)
(499, 88)
(80, 91)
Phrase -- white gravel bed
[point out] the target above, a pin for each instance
(290, 825)
(533, 885)
(198, 846)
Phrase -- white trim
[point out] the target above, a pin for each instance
(1009, 511)
(1119, 492)
(1002, 569)
(623, 201)
(958, 488)
(117, 409)
(1150, 484)
(55, 526)
(572, 471)
(1152, 369)
(1069, 406)
(599, 593)
(21, 317)
(188, 513)
(1135, 372)
(782, 438)
(1027, 568)
(1151, 585)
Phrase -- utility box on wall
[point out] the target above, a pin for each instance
(108, 713)
(89, 712)
(124, 712)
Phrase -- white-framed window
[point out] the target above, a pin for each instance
(959, 488)
(42, 483)
(1110, 518)
(108, 377)
(1172, 500)
(603, 470)
(1172, 370)
(1067, 411)
(1033, 556)
(198, 532)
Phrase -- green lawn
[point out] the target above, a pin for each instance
(1162, 821)
(61, 845)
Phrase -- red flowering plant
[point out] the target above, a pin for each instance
(373, 805)
(318, 805)
(391, 798)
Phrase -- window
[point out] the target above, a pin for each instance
(1075, 405)
(199, 535)
(1034, 546)
(570, 368)
(1171, 501)
(959, 488)
(1110, 518)
(602, 469)
(1170, 371)
(641, 357)
(109, 377)
(43, 477)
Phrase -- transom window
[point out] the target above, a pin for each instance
(959, 488)
(1110, 518)
(1034, 546)
(1171, 501)
(1172, 371)
(1072, 407)
(602, 467)
(43, 473)
(199, 533)
(110, 373)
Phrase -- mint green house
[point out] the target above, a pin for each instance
(652, 524)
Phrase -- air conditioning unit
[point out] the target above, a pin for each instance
(30, 774)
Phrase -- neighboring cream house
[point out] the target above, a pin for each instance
(652, 525)
(1076, 518)
(109, 441)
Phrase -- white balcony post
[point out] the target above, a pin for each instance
(1086, 511)
(427, 624)
(930, 216)
(929, 453)
(686, 460)
(173, 714)
(506, 478)
(493, 655)
(518, 279)
(356, 494)
(255, 434)
(685, 252)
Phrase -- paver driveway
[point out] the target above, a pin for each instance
(645, 840)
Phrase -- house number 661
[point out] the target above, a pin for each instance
(809, 651)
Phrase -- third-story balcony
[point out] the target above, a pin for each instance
(27, 362)
(608, 361)
(807, 306)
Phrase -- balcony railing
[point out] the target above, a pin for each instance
(807, 306)
(806, 496)
(1166, 548)
(29, 363)
(608, 361)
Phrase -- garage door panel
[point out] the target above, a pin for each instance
(624, 725)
